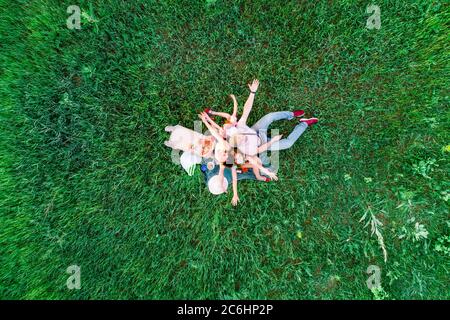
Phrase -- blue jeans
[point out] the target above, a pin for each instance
(261, 128)
(263, 124)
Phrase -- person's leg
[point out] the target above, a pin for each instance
(264, 122)
(257, 174)
(245, 113)
(220, 114)
(290, 140)
(249, 103)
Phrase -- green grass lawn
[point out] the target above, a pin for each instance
(86, 180)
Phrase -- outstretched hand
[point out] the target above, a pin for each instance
(235, 200)
(254, 85)
(204, 116)
(276, 138)
(272, 176)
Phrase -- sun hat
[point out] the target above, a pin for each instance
(214, 185)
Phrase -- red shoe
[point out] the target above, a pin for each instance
(309, 121)
(298, 113)
(268, 179)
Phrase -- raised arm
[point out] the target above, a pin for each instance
(249, 103)
(235, 108)
(213, 131)
(214, 124)
(268, 173)
(267, 145)
(235, 199)
(222, 177)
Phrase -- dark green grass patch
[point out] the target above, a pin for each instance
(86, 179)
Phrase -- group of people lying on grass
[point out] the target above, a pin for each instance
(235, 146)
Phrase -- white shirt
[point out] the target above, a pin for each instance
(251, 141)
(231, 131)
